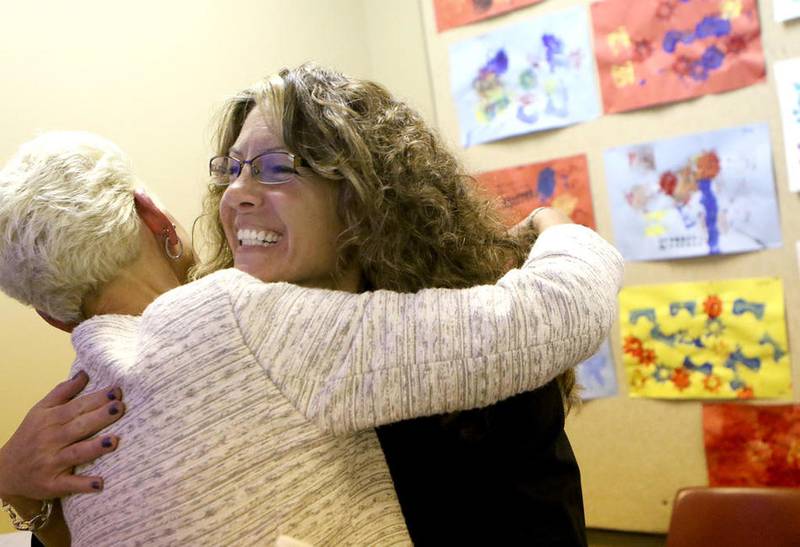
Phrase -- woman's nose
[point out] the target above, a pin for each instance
(244, 191)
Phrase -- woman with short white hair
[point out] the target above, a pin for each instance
(69, 226)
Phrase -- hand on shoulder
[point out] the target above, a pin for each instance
(540, 219)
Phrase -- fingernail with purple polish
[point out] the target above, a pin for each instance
(113, 410)
(111, 395)
(96, 485)
(107, 442)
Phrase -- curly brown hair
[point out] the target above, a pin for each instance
(413, 217)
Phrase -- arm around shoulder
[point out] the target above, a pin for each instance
(350, 362)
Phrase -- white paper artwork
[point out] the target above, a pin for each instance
(704, 194)
(787, 80)
(786, 9)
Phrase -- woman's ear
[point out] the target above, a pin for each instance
(175, 241)
(153, 217)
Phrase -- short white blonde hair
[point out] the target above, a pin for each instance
(68, 222)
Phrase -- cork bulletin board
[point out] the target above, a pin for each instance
(635, 453)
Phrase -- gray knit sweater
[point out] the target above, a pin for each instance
(251, 405)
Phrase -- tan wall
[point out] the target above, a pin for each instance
(397, 55)
(147, 75)
(635, 453)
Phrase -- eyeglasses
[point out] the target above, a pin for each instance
(267, 168)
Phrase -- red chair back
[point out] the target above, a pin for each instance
(735, 517)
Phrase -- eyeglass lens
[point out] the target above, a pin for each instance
(269, 167)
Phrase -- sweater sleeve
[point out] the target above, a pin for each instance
(354, 361)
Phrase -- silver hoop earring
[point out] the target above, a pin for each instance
(177, 255)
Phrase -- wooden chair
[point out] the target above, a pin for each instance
(735, 517)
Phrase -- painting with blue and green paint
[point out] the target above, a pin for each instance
(705, 194)
(525, 77)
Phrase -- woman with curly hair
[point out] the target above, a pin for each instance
(415, 219)
(251, 398)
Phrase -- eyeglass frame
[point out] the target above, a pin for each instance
(297, 161)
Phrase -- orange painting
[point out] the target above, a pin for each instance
(455, 13)
(749, 445)
(657, 51)
(561, 183)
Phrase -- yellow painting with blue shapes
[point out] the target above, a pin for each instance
(706, 340)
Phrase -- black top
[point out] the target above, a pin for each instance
(501, 475)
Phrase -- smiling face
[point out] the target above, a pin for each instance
(282, 232)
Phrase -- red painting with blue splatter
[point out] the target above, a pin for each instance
(561, 183)
(658, 51)
(454, 13)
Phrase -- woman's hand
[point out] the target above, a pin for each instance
(37, 461)
(539, 220)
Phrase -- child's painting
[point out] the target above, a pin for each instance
(705, 194)
(709, 340)
(596, 375)
(787, 80)
(786, 9)
(752, 445)
(525, 77)
(659, 51)
(454, 13)
(561, 183)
